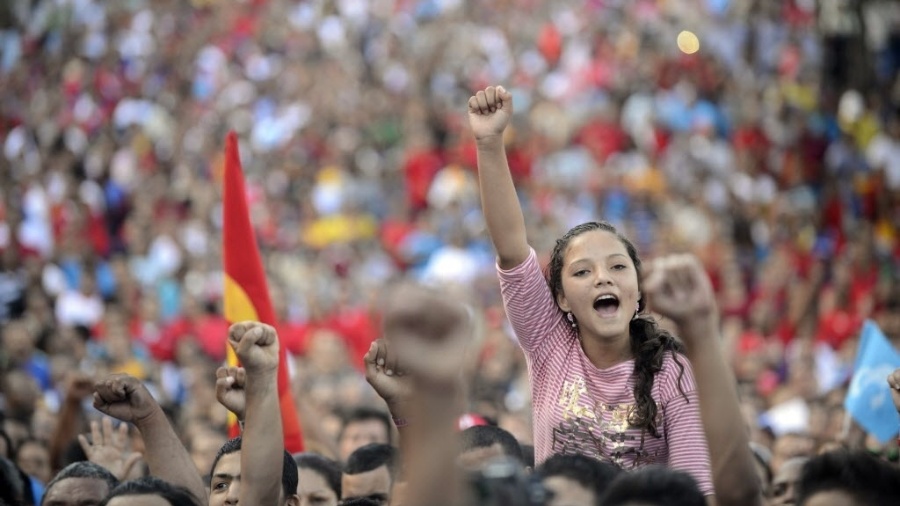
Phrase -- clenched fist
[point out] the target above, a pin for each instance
(489, 112)
(125, 398)
(230, 391)
(256, 345)
(427, 333)
(678, 288)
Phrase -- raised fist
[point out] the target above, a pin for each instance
(230, 389)
(383, 373)
(427, 333)
(125, 398)
(489, 112)
(256, 345)
(678, 288)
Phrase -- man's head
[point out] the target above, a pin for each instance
(482, 443)
(576, 479)
(656, 486)
(369, 473)
(79, 484)
(848, 478)
(363, 426)
(149, 491)
(225, 476)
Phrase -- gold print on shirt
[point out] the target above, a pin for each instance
(570, 399)
(601, 430)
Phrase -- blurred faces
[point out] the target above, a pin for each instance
(788, 447)
(17, 342)
(360, 433)
(785, 482)
(374, 484)
(314, 490)
(34, 459)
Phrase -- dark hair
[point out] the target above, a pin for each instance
(527, 455)
(363, 414)
(83, 470)
(370, 457)
(359, 501)
(657, 485)
(325, 467)
(12, 486)
(588, 472)
(485, 436)
(862, 476)
(649, 343)
(289, 476)
(9, 445)
(149, 485)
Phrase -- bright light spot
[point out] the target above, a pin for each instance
(688, 43)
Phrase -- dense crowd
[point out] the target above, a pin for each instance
(772, 155)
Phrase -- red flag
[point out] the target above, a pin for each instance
(246, 292)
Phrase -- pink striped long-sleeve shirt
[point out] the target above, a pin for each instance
(581, 409)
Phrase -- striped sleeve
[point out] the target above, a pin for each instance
(686, 440)
(529, 304)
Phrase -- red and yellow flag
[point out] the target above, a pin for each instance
(246, 292)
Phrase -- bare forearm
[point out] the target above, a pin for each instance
(430, 443)
(723, 423)
(263, 443)
(500, 204)
(167, 457)
(71, 420)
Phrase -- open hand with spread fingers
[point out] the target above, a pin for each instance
(108, 447)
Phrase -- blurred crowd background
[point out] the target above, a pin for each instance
(773, 153)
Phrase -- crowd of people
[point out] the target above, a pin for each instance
(771, 155)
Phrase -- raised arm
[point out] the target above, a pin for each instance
(262, 449)
(79, 386)
(679, 289)
(428, 336)
(124, 397)
(489, 113)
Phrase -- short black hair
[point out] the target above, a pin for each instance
(590, 473)
(325, 467)
(370, 457)
(365, 413)
(150, 485)
(862, 476)
(83, 470)
(289, 475)
(485, 436)
(527, 455)
(657, 485)
(359, 501)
